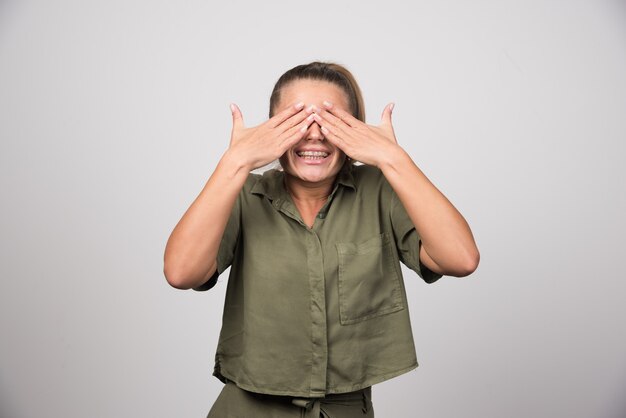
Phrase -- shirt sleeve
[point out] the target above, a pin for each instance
(408, 241)
(228, 244)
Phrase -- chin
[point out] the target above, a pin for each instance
(310, 176)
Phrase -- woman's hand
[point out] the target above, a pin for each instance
(262, 144)
(448, 246)
(368, 144)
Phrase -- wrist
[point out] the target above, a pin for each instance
(393, 157)
(235, 164)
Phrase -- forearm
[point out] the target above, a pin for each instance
(446, 237)
(191, 250)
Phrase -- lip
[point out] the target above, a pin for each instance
(316, 161)
(313, 149)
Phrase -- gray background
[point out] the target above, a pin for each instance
(113, 114)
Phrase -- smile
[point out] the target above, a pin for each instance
(312, 155)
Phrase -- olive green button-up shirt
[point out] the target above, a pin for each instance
(311, 311)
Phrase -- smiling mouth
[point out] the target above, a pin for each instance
(312, 155)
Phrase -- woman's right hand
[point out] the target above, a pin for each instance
(260, 145)
(190, 258)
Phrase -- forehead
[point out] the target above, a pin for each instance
(312, 92)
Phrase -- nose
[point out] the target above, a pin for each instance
(315, 132)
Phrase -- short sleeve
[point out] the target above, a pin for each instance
(228, 244)
(408, 241)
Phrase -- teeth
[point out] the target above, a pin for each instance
(313, 154)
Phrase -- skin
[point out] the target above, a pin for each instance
(310, 182)
(313, 114)
(448, 246)
(191, 250)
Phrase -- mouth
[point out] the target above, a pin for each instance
(312, 155)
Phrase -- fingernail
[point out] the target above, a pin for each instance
(311, 117)
(324, 129)
(232, 107)
(299, 105)
(328, 104)
(303, 129)
(391, 107)
(310, 108)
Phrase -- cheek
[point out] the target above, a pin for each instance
(340, 161)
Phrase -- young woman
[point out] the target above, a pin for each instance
(316, 310)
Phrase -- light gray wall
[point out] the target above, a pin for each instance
(113, 114)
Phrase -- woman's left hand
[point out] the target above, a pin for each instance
(368, 144)
(448, 246)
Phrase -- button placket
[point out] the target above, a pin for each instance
(315, 263)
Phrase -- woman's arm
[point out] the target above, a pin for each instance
(448, 245)
(191, 250)
(190, 257)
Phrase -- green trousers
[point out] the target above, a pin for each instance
(234, 402)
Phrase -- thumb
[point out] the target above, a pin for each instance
(237, 117)
(385, 118)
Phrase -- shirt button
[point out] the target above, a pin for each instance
(321, 215)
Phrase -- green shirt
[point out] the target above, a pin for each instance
(311, 311)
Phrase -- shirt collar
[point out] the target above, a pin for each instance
(271, 183)
(345, 176)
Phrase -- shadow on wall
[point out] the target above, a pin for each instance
(6, 410)
(7, 10)
(617, 408)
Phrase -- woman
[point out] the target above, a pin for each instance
(316, 310)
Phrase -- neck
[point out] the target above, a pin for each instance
(304, 191)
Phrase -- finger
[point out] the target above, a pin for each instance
(336, 140)
(386, 124)
(295, 133)
(385, 118)
(285, 114)
(295, 120)
(292, 136)
(341, 114)
(333, 124)
(237, 116)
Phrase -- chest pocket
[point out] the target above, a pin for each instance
(369, 280)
